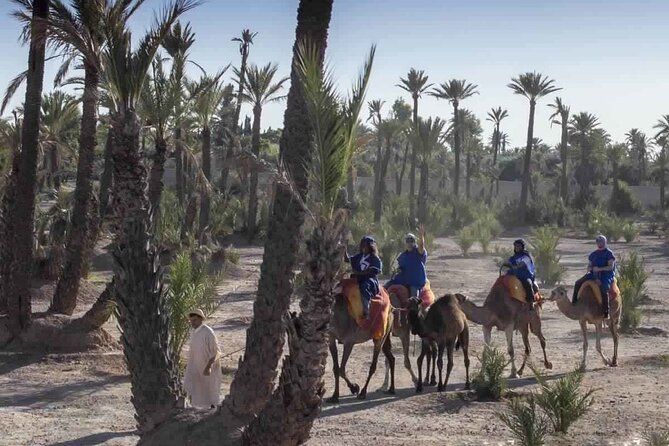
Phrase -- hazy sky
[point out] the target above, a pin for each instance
(609, 56)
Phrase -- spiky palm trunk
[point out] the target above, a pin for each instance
(527, 163)
(564, 184)
(468, 173)
(381, 192)
(179, 167)
(253, 185)
(495, 150)
(65, 297)
(457, 149)
(156, 173)
(205, 199)
(412, 167)
(54, 167)
(400, 176)
(423, 191)
(289, 415)
(107, 177)
(663, 176)
(254, 380)
(18, 256)
(377, 180)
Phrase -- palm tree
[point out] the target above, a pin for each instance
(560, 117)
(455, 91)
(19, 202)
(206, 96)
(60, 116)
(662, 139)
(137, 276)
(259, 90)
(374, 107)
(638, 144)
(582, 129)
(390, 132)
(533, 86)
(429, 137)
(177, 44)
(416, 84)
(245, 41)
(254, 381)
(496, 115)
(301, 381)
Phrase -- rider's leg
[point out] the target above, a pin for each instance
(577, 286)
(529, 290)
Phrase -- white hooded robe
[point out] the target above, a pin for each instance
(204, 391)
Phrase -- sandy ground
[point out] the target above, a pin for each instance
(84, 399)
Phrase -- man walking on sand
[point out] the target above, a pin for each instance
(203, 372)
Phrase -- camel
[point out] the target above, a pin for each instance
(344, 329)
(588, 311)
(507, 314)
(444, 324)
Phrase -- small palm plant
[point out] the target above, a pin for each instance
(544, 243)
(563, 401)
(489, 381)
(657, 438)
(632, 277)
(465, 239)
(525, 421)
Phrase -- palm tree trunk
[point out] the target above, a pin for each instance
(400, 176)
(55, 167)
(8, 199)
(381, 191)
(254, 380)
(253, 186)
(564, 184)
(107, 177)
(663, 176)
(527, 162)
(289, 415)
(377, 180)
(468, 174)
(412, 168)
(495, 150)
(18, 249)
(423, 191)
(179, 167)
(65, 297)
(458, 149)
(156, 174)
(350, 184)
(206, 169)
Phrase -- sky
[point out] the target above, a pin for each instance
(609, 56)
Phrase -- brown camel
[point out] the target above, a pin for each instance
(445, 324)
(344, 329)
(588, 311)
(507, 314)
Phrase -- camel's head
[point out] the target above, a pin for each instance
(461, 298)
(558, 293)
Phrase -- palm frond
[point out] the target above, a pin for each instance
(13, 86)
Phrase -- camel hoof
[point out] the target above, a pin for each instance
(581, 368)
(354, 388)
(333, 400)
(419, 389)
(390, 391)
(362, 395)
(614, 363)
(520, 372)
(440, 388)
(468, 386)
(514, 375)
(548, 365)
(433, 382)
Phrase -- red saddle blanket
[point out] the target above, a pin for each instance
(515, 288)
(379, 308)
(426, 295)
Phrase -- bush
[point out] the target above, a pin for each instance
(168, 228)
(525, 421)
(595, 219)
(502, 254)
(657, 438)
(232, 255)
(483, 235)
(630, 232)
(189, 288)
(489, 381)
(563, 401)
(622, 202)
(544, 245)
(632, 277)
(465, 239)
(612, 227)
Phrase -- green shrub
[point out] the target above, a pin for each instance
(632, 277)
(232, 255)
(595, 219)
(465, 239)
(437, 220)
(657, 438)
(563, 401)
(630, 232)
(189, 288)
(489, 380)
(168, 227)
(622, 202)
(502, 254)
(612, 227)
(544, 245)
(525, 421)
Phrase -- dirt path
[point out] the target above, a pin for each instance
(85, 399)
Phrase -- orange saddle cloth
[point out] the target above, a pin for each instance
(379, 308)
(426, 295)
(614, 291)
(515, 288)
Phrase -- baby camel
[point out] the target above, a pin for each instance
(446, 325)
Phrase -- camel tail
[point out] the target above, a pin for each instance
(463, 338)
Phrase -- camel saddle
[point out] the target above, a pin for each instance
(379, 308)
(515, 288)
(403, 294)
(614, 291)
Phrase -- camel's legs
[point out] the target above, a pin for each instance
(440, 364)
(614, 334)
(449, 366)
(390, 360)
(372, 368)
(584, 330)
(535, 327)
(464, 344)
(487, 335)
(348, 348)
(423, 350)
(335, 369)
(598, 334)
(434, 352)
(509, 346)
(524, 331)
(405, 339)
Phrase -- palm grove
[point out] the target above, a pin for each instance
(89, 165)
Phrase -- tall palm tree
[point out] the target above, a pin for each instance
(137, 277)
(429, 137)
(496, 116)
(254, 381)
(301, 381)
(260, 89)
(390, 132)
(245, 41)
(416, 84)
(177, 44)
(533, 86)
(582, 128)
(560, 116)
(662, 139)
(455, 91)
(60, 116)
(638, 144)
(374, 107)
(19, 203)
(206, 96)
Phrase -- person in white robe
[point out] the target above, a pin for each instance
(202, 381)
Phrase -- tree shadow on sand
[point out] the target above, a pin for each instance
(95, 439)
